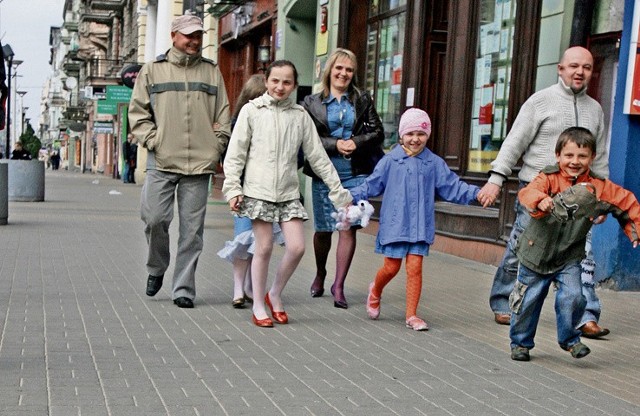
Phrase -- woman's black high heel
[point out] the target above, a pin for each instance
(317, 290)
(338, 303)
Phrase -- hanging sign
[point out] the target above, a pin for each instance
(129, 74)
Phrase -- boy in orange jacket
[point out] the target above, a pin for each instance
(563, 201)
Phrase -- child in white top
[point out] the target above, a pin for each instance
(264, 146)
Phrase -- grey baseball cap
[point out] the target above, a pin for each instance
(187, 24)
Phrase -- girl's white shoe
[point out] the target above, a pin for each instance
(373, 304)
(417, 324)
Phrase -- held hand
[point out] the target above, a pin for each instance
(235, 203)
(345, 147)
(488, 194)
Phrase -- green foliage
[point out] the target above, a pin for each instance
(30, 142)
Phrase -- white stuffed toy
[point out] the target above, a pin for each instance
(347, 217)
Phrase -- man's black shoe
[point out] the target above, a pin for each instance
(154, 283)
(183, 302)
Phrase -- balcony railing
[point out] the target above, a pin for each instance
(100, 68)
(75, 113)
(57, 99)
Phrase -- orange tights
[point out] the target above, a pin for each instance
(414, 280)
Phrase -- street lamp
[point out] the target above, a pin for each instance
(12, 63)
(24, 126)
(22, 110)
(8, 56)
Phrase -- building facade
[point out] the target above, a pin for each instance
(471, 64)
(97, 40)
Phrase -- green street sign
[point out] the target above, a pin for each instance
(118, 93)
(107, 107)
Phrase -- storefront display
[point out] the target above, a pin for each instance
(384, 65)
(491, 82)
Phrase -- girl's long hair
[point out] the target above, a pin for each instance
(253, 88)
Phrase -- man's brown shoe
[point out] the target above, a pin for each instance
(594, 331)
(503, 318)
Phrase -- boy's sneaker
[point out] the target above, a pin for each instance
(416, 324)
(519, 353)
(578, 350)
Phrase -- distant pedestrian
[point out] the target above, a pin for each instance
(410, 177)
(133, 161)
(43, 156)
(20, 153)
(551, 247)
(264, 148)
(130, 156)
(179, 112)
(55, 159)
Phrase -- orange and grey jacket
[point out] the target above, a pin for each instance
(547, 244)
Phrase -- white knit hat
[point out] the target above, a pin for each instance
(414, 119)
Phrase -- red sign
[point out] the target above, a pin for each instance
(635, 87)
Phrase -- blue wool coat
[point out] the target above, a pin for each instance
(409, 186)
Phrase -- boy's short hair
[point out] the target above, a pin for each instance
(579, 135)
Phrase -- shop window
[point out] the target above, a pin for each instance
(491, 82)
(382, 6)
(383, 77)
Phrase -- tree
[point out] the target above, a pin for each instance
(30, 141)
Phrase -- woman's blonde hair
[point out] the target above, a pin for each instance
(254, 87)
(339, 53)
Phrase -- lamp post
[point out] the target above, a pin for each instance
(8, 56)
(12, 63)
(16, 136)
(24, 126)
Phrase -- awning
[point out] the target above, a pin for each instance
(219, 8)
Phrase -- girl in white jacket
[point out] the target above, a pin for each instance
(264, 147)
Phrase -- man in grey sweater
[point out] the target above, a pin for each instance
(533, 136)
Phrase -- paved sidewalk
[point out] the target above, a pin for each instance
(78, 336)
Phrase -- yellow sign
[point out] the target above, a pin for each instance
(480, 161)
(322, 43)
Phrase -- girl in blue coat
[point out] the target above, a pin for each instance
(407, 217)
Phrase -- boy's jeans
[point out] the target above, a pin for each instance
(527, 299)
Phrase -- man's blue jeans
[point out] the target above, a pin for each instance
(125, 172)
(507, 271)
(528, 296)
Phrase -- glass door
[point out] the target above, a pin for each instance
(383, 79)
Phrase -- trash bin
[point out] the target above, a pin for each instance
(26, 180)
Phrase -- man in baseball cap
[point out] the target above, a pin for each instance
(179, 112)
(187, 24)
(186, 34)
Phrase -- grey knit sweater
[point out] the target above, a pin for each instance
(534, 133)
